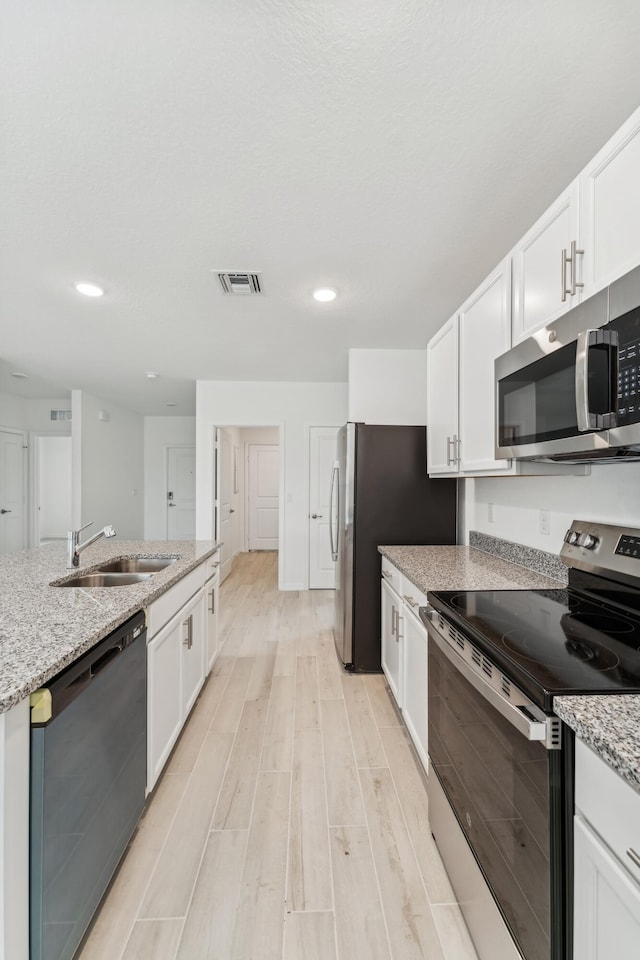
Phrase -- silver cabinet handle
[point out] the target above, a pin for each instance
(574, 267)
(394, 613)
(212, 608)
(633, 856)
(453, 443)
(449, 443)
(563, 276)
(387, 574)
(316, 516)
(188, 640)
(410, 601)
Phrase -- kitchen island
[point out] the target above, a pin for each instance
(43, 629)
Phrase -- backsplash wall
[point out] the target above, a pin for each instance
(611, 493)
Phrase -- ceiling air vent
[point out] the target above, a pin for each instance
(240, 283)
(60, 414)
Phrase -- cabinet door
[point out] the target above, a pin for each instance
(414, 708)
(164, 707)
(194, 641)
(606, 902)
(212, 588)
(485, 333)
(610, 208)
(537, 267)
(391, 640)
(442, 399)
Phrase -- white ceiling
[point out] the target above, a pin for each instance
(393, 149)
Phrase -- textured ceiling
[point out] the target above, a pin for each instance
(394, 149)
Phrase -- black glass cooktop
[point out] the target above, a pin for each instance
(550, 642)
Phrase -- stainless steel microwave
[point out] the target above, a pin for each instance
(571, 391)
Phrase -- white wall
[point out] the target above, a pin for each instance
(31, 415)
(388, 386)
(611, 494)
(293, 407)
(160, 433)
(108, 466)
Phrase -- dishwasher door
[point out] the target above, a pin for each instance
(88, 779)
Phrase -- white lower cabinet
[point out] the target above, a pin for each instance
(414, 709)
(391, 652)
(177, 663)
(607, 901)
(404, 652)
(606, 862)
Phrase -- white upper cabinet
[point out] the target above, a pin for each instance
(547, 267)
(461, 381)
(610, 208)
(485, 333)
(442, 399)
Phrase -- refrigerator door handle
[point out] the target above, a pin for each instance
(334, 545)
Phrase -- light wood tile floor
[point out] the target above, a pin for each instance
(291, 822)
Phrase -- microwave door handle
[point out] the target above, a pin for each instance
(584, 339)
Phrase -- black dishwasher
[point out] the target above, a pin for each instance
(88, 782)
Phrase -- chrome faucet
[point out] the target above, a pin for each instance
(75, 548)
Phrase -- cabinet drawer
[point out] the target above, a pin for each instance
(412, 597)
(391, 574)
(212, 565)
(162, 609)
(610, 805)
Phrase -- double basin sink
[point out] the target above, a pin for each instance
(119, 573)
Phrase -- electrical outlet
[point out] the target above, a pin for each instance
(544, 524)
(491, 516)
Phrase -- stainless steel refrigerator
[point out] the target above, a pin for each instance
(380, 494)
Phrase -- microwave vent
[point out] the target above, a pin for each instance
(240, 284)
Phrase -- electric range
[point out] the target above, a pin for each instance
(501, 762)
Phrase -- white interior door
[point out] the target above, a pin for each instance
(54, 488)
(181, 493)
(322, 455)
(264, 489)
(12, 493)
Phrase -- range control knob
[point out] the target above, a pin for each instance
(571, 536)
(588, 541)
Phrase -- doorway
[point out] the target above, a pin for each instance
(181, 492)
(12, 490)
(237, 521)
(322, 456)
(53, 514)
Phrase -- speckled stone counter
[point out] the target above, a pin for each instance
(44, 628)
(610, 726)
(462, 568)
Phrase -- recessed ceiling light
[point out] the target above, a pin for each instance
(89, 289)
(324, 295)
(150, 375)
(18, 375)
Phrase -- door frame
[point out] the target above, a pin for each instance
(165, 473)
(252, 425)
(26, 483)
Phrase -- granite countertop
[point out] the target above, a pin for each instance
(610, 725)
(463, 568)
(45, 628)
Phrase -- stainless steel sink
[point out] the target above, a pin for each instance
(137, 565)
(103, 580)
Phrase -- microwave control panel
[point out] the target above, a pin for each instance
(628, 329)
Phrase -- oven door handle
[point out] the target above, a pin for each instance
(519, 716)
(585, 341)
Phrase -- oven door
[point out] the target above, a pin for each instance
(505, 791)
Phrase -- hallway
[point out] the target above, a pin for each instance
(291, 821)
